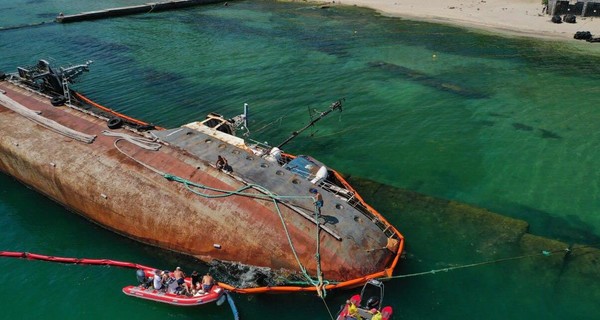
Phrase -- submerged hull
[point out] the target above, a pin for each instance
(122, 187)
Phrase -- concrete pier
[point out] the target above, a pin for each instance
(130, 10)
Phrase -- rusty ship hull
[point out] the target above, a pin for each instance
(123, 187)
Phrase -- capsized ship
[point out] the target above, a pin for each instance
(162, 187)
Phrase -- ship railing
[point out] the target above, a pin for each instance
(349, 196)
(263, 146)
(358, 205)
(262, 149)
(337, 191)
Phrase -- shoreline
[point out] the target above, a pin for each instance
(522, 18)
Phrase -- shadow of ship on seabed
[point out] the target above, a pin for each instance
(427, 80)
(440, 230)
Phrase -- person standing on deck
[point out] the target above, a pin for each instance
(318, 199)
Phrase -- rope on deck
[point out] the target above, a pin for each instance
(265, 194)
(45, 122)
(143, 143)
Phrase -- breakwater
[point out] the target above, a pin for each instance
(130, 10)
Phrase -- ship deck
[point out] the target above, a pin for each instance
(99, 181)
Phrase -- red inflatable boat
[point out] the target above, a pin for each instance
(358, 307)
(143, 291)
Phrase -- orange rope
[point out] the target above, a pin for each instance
(120, 115)
(281, 289)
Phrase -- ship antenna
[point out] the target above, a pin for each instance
(246, 116)
(241, 121)
(334, 106)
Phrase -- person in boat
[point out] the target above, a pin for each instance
(376, 314)
(157, 280)
(165, 277)
(183, 289)
(352, 311)
(171, 286)
(168, 281)
(196, 286)
(318, 199)
(179, 276)
(207, 283)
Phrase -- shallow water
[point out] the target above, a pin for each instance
(505, 124)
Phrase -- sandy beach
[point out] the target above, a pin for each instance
(515, 17)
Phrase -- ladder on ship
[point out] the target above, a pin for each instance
(66, 91)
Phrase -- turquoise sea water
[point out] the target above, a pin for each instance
(506, 124)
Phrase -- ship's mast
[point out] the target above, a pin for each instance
(334, 106)
(69, 74)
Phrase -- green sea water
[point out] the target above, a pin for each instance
(506, 124)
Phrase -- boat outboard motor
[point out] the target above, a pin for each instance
(373, 302)
(141, 277)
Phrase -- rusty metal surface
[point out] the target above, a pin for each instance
(104, 185)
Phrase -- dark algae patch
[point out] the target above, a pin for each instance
(523, 127)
